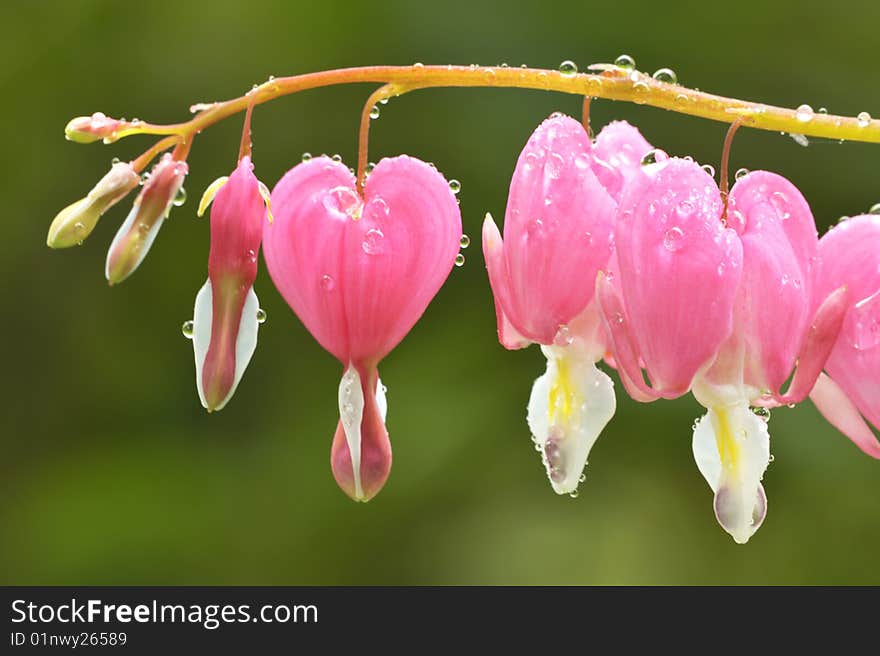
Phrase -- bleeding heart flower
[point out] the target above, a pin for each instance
(227, 312)
(724, 310)
(558, 233)
(849, 254)
(359, 272)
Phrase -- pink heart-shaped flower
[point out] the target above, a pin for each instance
(359, 272)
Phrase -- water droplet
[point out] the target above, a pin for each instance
(674, 239)
(179, 197)
(685, 209)
(261, 316)
(804, 113)
(344, 200)
(306, 157)
(568, 68)
(377, 208)
(418, 65)
(454, 186)
(79, 226)
(582, 478)
(780, 204)
(653, 156)
(737, 221)
(459, 260)
(187, 329)
(337, 157)
(370, 167)
(800, 139)
(625, 62)
(740, 174)
(327, 283)
(573, 495)
(373, 243)
(563, 336)
(864, 119)
(374, 112)
(114, 161)
(875, 209)
(640, 89)
(709, 169)
(822, 110)
(842, 219)
(665, 75)
(465, 241)
(553, 165)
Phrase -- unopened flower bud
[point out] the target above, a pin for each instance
(76, 221)
(151, 207)
(88, 129)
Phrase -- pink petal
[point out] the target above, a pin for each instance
(841, 413)
(496, 265)
(849, 255)
(617, 155)
(679, 271)
(304, 246)
(621, 341)
(557, 230)
(398, 254)
(359, 273)
(823, 333)
(779, 241)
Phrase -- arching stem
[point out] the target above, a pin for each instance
(140, 162)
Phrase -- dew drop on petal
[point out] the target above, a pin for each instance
(563, 336)
(373, 241)
(740, 174)
(459, 260)
(684, 209)
(875, 209)
(327, 283)
(465, 241)
(454, 186)
(674, 239)
(574, 494)
(665, 75)
(337, 157)
(780, 204)
(804, 113)
(625, 62)
(568, 68)
(306, 157)
(261, 316)
(709, 169)
(187, 329)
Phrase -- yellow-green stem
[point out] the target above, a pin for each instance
(612, 83)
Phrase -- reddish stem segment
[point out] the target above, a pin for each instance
(244, 150)
(725, 160)
(585, 115)
(364, 133)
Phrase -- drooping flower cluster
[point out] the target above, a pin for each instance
(726, 296)
(611, 251)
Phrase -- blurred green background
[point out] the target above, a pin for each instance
(111, 472)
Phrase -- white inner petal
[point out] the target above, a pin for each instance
(731, 447)
(568, 408)
(245, 342)
(351, 411)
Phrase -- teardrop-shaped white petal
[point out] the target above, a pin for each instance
(568, 408)
(245, 342)
(731, 447)
(351, 412)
